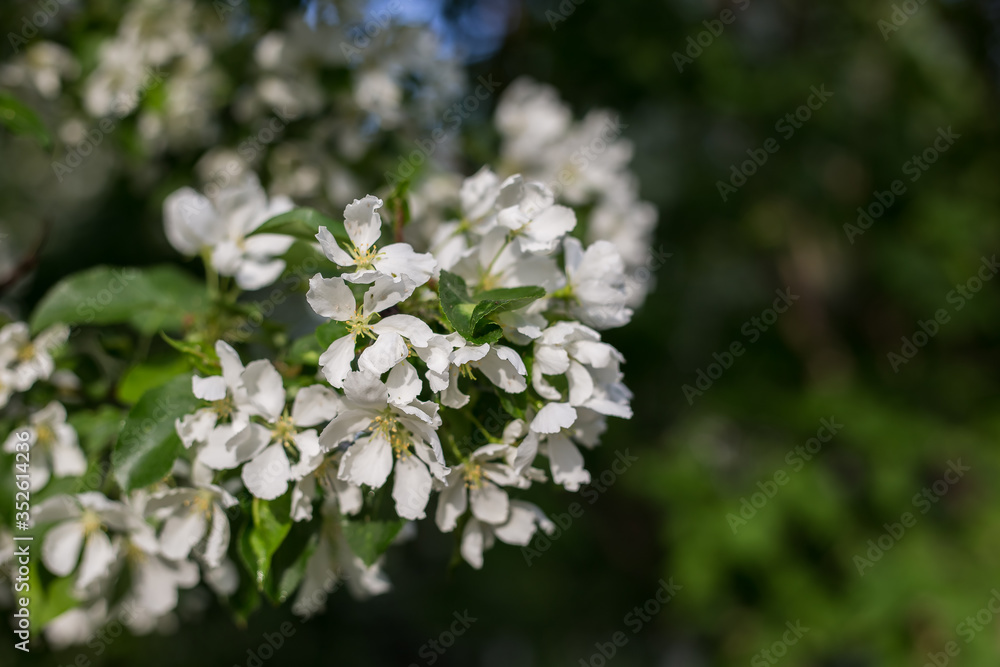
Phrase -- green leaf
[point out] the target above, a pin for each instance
(469, 314)
(140, 378)
(302, 223)
(330, 331)
(260, 540)
(305, 350)
(21, 120)
(150, 299)
(200, 355)
(148, 444)
(370, 539)
(58, 598)
(289, 563)
(97, 428)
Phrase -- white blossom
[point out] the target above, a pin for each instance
(54, 448)
(222, 226)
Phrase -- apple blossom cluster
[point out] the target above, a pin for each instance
(25, 360)
(417, 365)
(447, 382)
(584, 162)
(401, 368)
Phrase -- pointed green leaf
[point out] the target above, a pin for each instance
(370, 539)
(470, 314)
(148, 444)
(149, 299)
(302, 223)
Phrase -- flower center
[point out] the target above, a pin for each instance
(91, 522)
(363, 260)
(224, 407)
(284, 431)
(473, 475)
(398, 437)
(26, 353)
(44, 435)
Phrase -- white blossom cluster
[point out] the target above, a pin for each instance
(462, 357)
(396, 406)
(585, 162)
(25, 360)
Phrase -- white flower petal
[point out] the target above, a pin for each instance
(382, 355)
(61, 548)
(490, 503)
(265, 389)
(567, 463)
(473, 544)
(385, 293)
(98, 556)
(404, 384)
(181, 532)
(218, 538)
(409, 327)
(332, 249)
(553, 418)
(368, 462)
(314, 405)
(212, 388)
(412, 488)
(336, 361)
(452, 502)
(331, 298)
(268, 474)
(362, 221)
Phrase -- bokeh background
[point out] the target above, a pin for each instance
(794, 559)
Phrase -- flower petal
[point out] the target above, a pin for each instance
(387, 351)
(267, 475)
(331, 298)
(61, 548)
(336, 361)
(412, 488)
(490, 503)
(362, 221)
(553, 418)
(265, 389)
